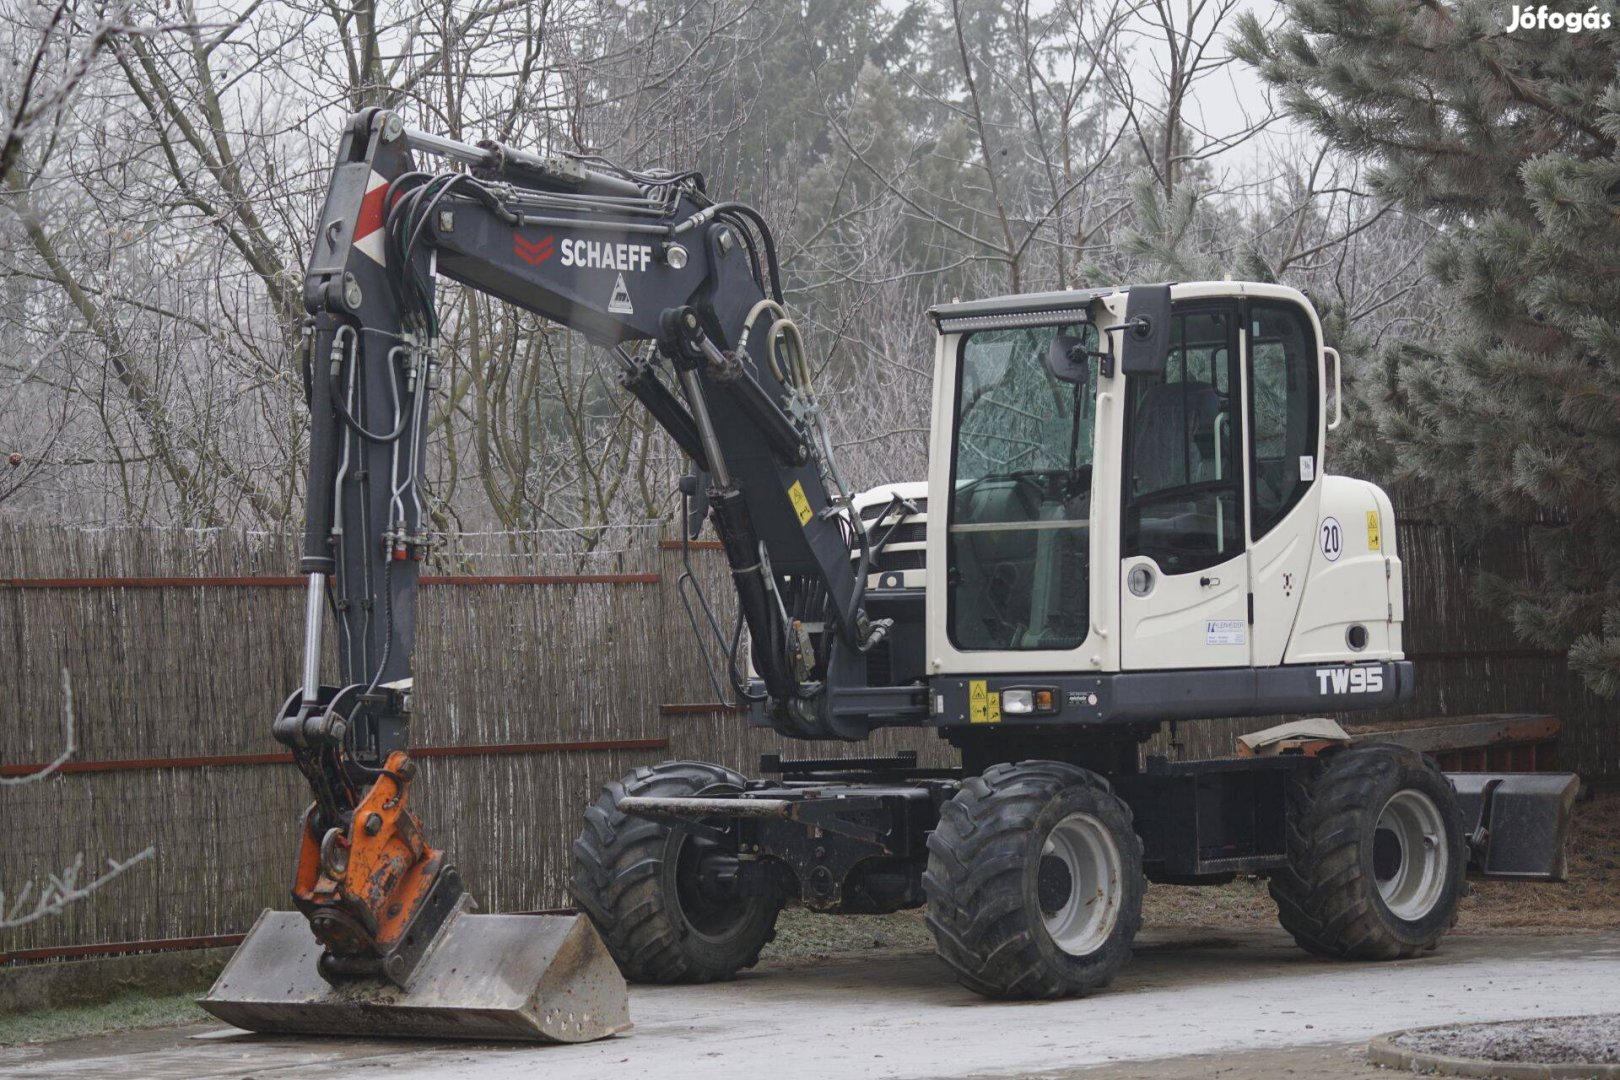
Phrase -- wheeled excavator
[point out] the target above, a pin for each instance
(1127, 522)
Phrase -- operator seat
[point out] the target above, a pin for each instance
(1175, 441)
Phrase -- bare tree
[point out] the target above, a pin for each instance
(47, 51)
(153, 225)
(50, 50)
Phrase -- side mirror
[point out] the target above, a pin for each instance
(1144, 343)
(1066, 359)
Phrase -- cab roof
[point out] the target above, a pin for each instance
(1035, 309)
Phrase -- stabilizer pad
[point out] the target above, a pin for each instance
(538, 978)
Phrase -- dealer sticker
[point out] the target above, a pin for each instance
(1226, 632)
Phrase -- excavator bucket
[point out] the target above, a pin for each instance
(535, 978)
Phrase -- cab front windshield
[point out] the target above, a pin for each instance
(1019, 524)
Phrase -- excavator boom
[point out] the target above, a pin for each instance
(684, 291)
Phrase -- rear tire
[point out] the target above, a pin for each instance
(1377, 856)
(636, 879)
(1034, 882)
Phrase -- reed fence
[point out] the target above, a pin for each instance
(541, 674)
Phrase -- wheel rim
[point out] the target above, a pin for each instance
(1410, 859)
(1078, 884)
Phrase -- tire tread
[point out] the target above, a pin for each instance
(617, 865)
(1323, 896)
(974, 882)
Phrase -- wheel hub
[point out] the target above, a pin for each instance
(710, 907)
(1053, 885)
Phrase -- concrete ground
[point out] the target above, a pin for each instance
(1239, 1005)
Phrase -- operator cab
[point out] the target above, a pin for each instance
(1131, 481)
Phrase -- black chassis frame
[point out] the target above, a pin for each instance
(851, 836)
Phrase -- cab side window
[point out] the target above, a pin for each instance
(1183, 493)
(1283, 410)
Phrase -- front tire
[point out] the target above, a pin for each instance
(1377, 856)
(639, 881)
(1034, 882)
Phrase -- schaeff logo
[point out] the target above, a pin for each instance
(1571, 22)
(606, 255)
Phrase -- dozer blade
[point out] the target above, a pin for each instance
(539, 978)
(1517, 823)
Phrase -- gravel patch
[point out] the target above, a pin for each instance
(1593, 1040)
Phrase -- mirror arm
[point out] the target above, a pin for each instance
(1106, 359)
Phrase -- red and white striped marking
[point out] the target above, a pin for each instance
(368, 227)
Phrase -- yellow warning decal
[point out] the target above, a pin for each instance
(1373, 539)
(983, 706)
(801, 505)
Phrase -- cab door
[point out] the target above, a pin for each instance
(1184, 574)
(1285, 463)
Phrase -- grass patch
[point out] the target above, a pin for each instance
(121, 1014)
(1244, 904)
(807, 935)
